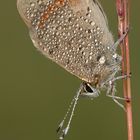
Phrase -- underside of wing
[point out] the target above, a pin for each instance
(72, 33)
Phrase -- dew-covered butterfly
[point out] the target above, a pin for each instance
(75, 35)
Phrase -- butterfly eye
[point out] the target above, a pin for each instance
(88, 88)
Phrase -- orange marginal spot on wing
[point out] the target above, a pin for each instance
(51, 8)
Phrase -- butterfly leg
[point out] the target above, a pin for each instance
(112, 90)
(121, 38)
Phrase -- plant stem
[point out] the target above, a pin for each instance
(123, 7)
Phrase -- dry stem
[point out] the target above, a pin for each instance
(123, 7)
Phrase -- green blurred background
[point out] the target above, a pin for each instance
(35, 93)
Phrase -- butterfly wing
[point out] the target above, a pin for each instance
(72, 33)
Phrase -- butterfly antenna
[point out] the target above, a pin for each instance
(71, 108)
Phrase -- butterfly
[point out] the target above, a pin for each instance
(75, 35)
